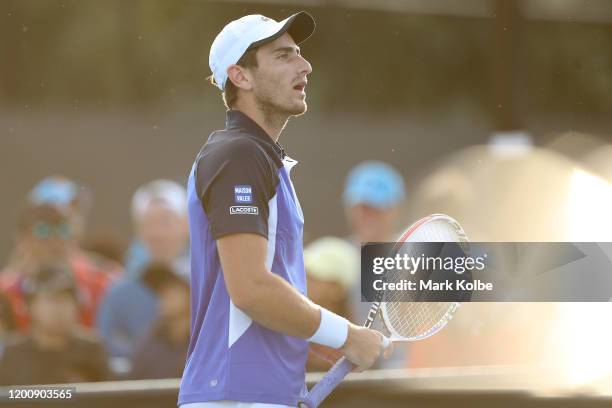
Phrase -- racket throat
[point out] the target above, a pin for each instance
(372, 313)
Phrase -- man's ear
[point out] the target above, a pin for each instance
(239, 77)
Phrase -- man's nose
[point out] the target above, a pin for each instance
(305, 67)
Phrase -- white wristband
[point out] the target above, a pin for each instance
(332, 331)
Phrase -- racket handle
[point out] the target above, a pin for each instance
(323, 388)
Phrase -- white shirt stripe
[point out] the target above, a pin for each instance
(239, 322)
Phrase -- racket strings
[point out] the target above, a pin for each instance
(416, 319)
(405, 315)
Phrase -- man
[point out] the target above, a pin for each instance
(250, 318)
(76, 200)
(129, 308)
(57, 350)
(67, 196)
(45, 236)
(159, 216)
(373, 195)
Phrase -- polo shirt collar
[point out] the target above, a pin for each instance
(238, 120)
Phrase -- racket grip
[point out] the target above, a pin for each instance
(323, 388)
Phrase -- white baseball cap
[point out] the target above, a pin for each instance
(168, 193)
(250, 32)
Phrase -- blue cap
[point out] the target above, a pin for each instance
(56, 191)
(375, 184)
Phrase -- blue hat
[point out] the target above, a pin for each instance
(374, 183)
(56, 191)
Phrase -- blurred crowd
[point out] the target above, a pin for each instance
(70, 314)
(76, 313)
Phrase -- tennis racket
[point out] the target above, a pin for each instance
(402, 319)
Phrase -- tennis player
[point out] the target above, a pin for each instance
(250, 319)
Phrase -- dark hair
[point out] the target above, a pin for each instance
(230, 93)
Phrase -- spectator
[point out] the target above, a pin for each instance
(129, 309)
(373, 195)
(45, 236)
(162, 353)
(56, 351)
(332, 267)
(75, 201)
(66, 196)
(159, 213)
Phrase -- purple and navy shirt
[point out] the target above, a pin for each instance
(240, 183)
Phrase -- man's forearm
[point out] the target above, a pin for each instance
(274, 303)
(269, 299)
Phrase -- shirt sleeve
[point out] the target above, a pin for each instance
(235, 185)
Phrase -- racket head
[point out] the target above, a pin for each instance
(412, 321)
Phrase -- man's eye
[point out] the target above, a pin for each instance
(283, 55)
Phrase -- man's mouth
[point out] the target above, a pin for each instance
(300, 86)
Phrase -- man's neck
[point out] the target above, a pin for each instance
(272, 122)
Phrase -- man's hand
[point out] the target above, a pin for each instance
(363, 347)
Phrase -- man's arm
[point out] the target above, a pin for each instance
(274, 303)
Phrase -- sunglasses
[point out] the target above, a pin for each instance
(44, 230)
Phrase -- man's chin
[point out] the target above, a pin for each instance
(299, 109)
(295, 108)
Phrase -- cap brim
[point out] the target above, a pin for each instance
(300, 26)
